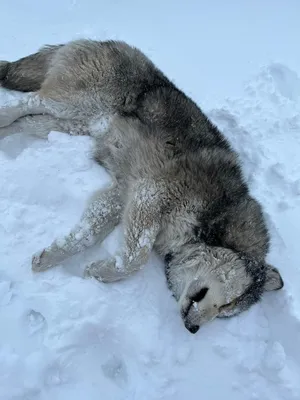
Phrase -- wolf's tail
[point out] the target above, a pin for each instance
(28, 73)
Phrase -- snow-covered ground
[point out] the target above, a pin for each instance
(66, 338)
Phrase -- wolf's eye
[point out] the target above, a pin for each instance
(200, 295)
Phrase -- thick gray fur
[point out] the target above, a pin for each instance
(177, 185)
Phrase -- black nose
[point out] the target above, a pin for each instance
(193, 328)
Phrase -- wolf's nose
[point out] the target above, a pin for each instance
(193, 328)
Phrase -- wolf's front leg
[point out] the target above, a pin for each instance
(99, 219)
(142, 222)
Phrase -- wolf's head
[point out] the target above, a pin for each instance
(211, 282)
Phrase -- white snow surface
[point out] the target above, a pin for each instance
(63, 337)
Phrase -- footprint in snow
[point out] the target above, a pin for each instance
(35, 322)
(276, 178)
(115, 369)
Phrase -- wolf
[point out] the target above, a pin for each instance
(177, 184)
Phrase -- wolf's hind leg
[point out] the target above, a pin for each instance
(41, 125)
(29, 103)
(99, 219)
(34, 103)
(141, 226)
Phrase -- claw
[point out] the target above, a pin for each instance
(92, 271)
(39, 263)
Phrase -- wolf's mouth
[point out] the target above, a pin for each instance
(226, 310)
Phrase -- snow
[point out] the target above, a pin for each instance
(63, 337)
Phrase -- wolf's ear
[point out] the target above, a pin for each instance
(273, 279)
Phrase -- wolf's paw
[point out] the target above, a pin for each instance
(103, 271)
(40, 261)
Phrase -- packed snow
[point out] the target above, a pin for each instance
(63, 337)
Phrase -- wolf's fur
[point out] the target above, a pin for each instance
(177, 184)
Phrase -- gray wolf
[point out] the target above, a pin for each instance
(177, 188)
